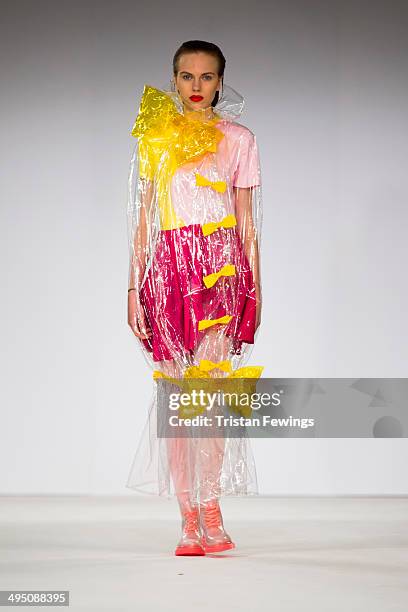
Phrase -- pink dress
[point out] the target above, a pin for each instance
(174, 294)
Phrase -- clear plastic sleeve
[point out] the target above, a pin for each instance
(194, 226)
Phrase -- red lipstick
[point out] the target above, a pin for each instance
(196, 98)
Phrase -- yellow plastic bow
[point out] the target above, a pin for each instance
(206, 365)
(240, 383)
(204, 323)
(211, 279)
(167, 140)
(200, 371)
(228, 221)
(202, 181)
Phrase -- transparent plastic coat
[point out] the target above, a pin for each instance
(194, 223)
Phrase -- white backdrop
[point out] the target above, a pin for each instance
(326, 92)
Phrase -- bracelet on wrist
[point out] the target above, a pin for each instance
(132, 289)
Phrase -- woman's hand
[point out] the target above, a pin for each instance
(136, 317)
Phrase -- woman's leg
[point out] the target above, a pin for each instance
(215, 347)
(181, 459)
(179, 449)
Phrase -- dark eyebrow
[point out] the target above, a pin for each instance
(185, 72)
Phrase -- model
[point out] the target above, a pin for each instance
(194, 295)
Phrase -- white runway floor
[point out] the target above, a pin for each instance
(293, 554)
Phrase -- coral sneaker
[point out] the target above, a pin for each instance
(190, 541)
(214, 538)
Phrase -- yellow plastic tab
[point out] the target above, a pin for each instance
(211, 279)
(202, 181)
(204, 323)
(212, 226)
(207, 365)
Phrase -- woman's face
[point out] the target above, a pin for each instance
(197, 76)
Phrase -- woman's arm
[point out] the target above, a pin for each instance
(248, 234)
(139, 258)
(141, 243)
